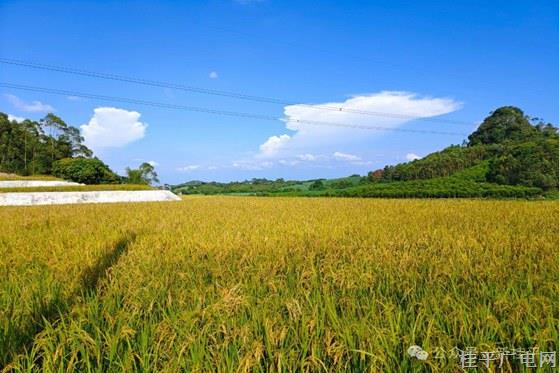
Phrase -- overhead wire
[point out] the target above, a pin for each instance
(71, 93)
(221, 93)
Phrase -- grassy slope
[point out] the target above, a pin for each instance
(447, 162)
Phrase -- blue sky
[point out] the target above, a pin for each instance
(455, 61)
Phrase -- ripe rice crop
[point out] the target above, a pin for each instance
(5, 176)
(270, 284)
(77, 188)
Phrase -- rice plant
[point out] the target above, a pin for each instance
(275, 284)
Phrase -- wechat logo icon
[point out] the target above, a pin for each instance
(418, 353)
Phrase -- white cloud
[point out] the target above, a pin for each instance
(285, 162)
(214, 75)
(189, 168)
(16, 118)
(153, 163)
(362, 163)
(111, 128)
(405, 107)
(273, 145)
(346, 157)
(251, 165)
(33, 107)
(412, 156)
(197, 167)
(75, 98)
(307, 157)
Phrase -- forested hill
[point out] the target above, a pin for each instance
(509, 155)
(506, 149)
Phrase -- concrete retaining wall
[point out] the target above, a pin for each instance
(61, 198)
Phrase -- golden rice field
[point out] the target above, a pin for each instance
(5, 176)
(275, 284)
(77, 188)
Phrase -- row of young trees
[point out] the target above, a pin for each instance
(52, 147)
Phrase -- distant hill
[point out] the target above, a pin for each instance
(506, 149)
(509, 155)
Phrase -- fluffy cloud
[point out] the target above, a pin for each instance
(285, 162)
(17, 119)
(189, 168)
(213, 75)
(33, 107)
(252, 165)
(307, 157)
(412, 156)
(111, 128)
(273, 145)
(346, 157)
(402, 107)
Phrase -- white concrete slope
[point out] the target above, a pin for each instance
(34, 183)
(62, 198)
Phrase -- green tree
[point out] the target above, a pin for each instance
(55, 128)
(31, 147)
(84, 170)
(317, 185)
(533, 163)
(145, 174)
(507, 123)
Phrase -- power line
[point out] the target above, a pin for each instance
(215, 92)
(61, 92)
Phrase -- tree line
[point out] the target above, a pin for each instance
(52, 147)
(31, 147)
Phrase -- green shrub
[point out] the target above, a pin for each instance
(84, 170)
(317, 185)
